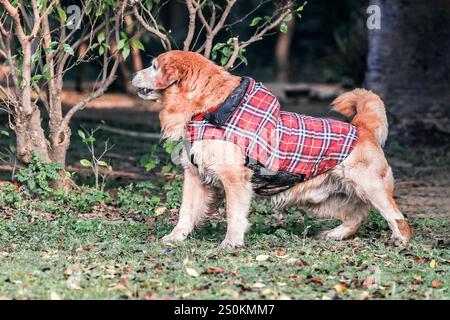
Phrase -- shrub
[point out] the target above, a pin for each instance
(39, 175)
(174, 193)
(83, 200)
(137, 199)
(9, 196)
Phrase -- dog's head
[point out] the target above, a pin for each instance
(170, 69)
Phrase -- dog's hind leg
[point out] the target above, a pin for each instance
(378, 190)
(238, 191)
(197, 198)
(352, 216)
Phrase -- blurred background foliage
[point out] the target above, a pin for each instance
(330, 45)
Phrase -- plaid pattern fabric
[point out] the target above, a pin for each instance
(280, 141)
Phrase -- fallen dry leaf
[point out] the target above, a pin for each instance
(262, 257)
(436, 284)
(159, 211)
(301, 263)
(368, 282)
(258, 285)
(269, 292)
(315, 280)
(294, 277)
(214, 270)
(280, 252)
(433, 264)
(419, 259)
(291, 260)
(192, 272)
(340, 288)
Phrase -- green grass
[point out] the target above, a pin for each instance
(95, 245)
(72, 256)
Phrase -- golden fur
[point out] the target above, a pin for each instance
(191, 84)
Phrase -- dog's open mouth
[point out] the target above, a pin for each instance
(150, 94)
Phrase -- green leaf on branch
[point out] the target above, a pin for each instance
(224, 60)
(121, 44)
(215, 49)
(101, 37)
(283, 27)
(288, 17)
(226, 52)
(300, 8)
(36, 56)
(68, 49)
(46, 72)
(149, 4)
(102, 163)
(85, 163)
(36, 78)
(255, 21)
(62, 14)
(138, 44)
(125, 52)
(81, 134)
(52, 47)
(242, 57)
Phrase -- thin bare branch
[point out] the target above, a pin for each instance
(154, 30)
(224, 16)
(36, 19)
(212, 28)
(234, 55)
(260, 32)
(108, 80)
(3, 30)
(15, 16)
(269, 25)
(191, 28)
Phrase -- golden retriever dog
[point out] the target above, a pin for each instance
(190, 84)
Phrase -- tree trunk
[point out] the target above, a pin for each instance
(409, 61)
(282, 49)
(60, 145)
(30, 137)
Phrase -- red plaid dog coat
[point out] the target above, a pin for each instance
(279, 141)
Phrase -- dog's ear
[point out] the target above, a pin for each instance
(168, 73)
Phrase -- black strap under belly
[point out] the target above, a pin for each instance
(265, 182)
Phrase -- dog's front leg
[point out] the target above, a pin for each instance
(238, 192)
(194, 206)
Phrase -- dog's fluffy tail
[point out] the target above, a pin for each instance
(367, 110)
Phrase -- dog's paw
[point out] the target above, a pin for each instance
(398, 241)
(332, 234)
(231, 244)
(174, 237)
